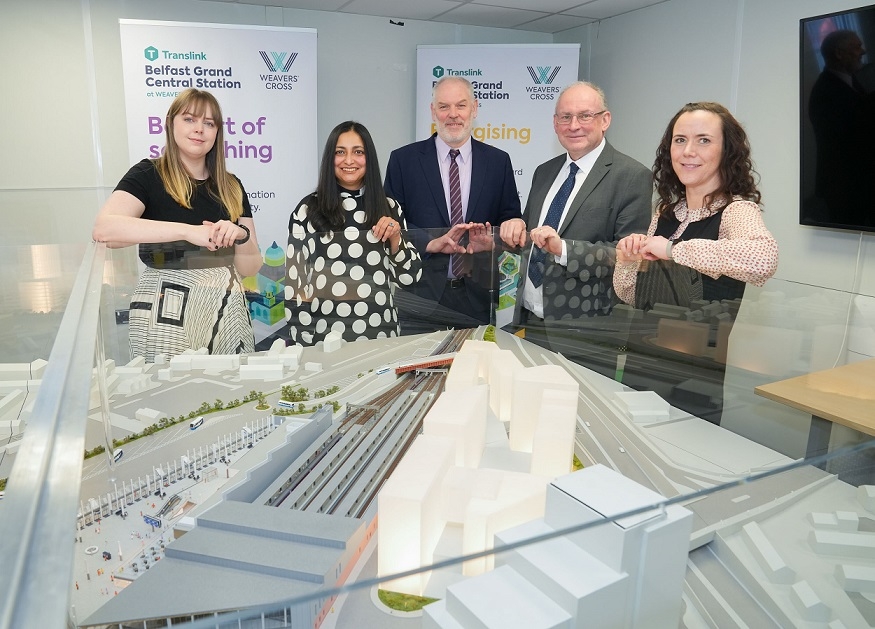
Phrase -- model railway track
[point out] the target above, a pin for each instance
(453, 343)
(334, 490)
(369, 442)
(298, 477)
(432, 388)
(376, 437)
(360, 415)
(427, 384)
(381, 460)
(355, 431)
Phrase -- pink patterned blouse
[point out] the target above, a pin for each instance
(744, 249)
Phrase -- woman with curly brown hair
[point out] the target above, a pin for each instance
(707, 237)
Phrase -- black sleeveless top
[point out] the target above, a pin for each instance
(665, 281)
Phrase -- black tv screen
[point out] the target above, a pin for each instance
(837, 119)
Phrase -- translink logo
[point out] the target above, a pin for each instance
(543, 76)
(151, 53)
(439, 71)
(277, 62)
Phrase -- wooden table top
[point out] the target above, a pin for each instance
(844, 395)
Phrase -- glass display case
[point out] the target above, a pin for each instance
(562, 460)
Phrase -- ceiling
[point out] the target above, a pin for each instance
(547, 16)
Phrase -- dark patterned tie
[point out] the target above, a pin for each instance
(456, 261)
(536, 263)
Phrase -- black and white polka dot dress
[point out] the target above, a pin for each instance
(342, 280)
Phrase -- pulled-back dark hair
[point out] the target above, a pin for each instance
(737, 176)
(327, 213)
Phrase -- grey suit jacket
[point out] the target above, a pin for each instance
(614, 201)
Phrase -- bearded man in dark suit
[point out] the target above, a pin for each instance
(458, 282)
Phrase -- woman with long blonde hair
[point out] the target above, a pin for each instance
(193, 224)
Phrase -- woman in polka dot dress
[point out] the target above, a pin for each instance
(346, 251)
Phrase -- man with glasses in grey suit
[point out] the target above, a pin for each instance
(580, 204)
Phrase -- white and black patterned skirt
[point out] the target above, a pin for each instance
(173, 310)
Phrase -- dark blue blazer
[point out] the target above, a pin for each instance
(413, 178)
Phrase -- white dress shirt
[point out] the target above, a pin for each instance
(533, 298)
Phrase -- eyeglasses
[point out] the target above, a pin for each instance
(584, 117)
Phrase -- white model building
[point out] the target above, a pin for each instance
(643, 407)
(9, 386)
(200, 359)
(332, 342)
(290, 355)
(10, 409)
(462, 418)
(261, 371)
(462, 481)
(465, 371)
(272, 365)
(627, 573)
(22, 371)
(503, 365)
(528, 393)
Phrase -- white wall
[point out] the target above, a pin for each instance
(64, 140)
(744, 54)
(64, 136)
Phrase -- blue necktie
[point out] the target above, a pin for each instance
(557, 206)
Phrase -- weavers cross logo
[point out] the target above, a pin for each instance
(278, 61)
(544, 74)
(151, 53)
(438, 72)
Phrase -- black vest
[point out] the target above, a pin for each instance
(668, 282)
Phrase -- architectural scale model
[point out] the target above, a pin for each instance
(623, 573)
(469, 476)
(790, 550)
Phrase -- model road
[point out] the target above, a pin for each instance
(341, 368)
(605, 436)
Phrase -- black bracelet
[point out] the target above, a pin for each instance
(245, 239)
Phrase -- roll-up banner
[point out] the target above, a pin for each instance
(516, 87)
(265, 81)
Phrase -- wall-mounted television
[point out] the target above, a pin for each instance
(837, 120)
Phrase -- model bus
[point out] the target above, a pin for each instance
(196, 422)
(286, 404)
